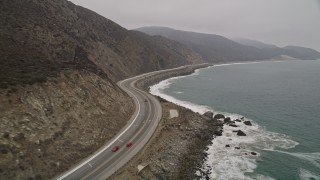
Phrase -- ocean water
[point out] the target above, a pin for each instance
(281, 99)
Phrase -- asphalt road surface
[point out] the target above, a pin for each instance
(103, 163)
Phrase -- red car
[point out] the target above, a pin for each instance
(129, 144)
(116, 148)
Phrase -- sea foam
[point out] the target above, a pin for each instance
(313, 158)
(239, 160)
(307, 175)
(236, 161)
(157, 90)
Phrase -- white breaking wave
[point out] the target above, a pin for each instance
(307, 175)
(157, 90)
(240, 158)
(250, 62)
(313, 158)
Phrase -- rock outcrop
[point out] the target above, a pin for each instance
(227, 120)
(208, 115)
(219, 116)
(233, 125)
(218, 131)
(248, 123)
(241, 133)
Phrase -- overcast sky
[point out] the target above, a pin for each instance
(279, 22)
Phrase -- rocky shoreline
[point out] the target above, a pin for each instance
(177, 150)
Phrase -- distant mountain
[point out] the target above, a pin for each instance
(302, 52)
(293, 51)
(215, 48)
(253, 43)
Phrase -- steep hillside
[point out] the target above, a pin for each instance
(216, 48)
(48, 127)
(49, 36)
(59, 64)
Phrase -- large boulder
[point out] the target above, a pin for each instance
(208, 114)
(218, 132)
(233, 125)
(219, 116)
(241, 133)
(237, 120)
(248, 123)
(253, 153)
(227, 120)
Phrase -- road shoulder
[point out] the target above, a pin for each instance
(177, 148)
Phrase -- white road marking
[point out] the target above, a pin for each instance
(90, 165)
(106, 147)
(133, 121)
(120, 140)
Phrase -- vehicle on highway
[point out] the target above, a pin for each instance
(129, 144)
(116, 148)
(145, 100)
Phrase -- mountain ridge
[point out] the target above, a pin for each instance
(216, 48)
(254, 43)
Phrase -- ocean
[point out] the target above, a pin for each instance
(280, 98)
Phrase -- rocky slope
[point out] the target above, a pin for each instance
(48, 36)
(48, 127)
(59, 64)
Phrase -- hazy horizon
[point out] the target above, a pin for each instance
(282, 23)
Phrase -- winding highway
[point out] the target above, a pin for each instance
(103, 163)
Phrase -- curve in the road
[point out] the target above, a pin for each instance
(89, 169)
(142, 125)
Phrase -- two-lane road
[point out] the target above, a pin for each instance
(139, 130)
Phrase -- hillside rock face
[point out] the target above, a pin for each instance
(59, 102)
(47, 128)
(46, 36)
